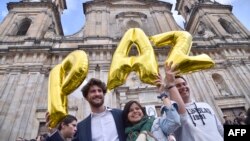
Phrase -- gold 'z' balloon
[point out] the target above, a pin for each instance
(144, 64)
(64, 78)
(182, 43)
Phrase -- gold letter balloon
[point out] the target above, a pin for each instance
(64, 78)
(182, 43)
(144, 64)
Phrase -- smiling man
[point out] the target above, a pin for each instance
(199, 123)
(103, 124)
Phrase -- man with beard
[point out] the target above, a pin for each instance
(104, 123)
(199, 123)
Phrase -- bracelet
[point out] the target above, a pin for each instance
(170, 87)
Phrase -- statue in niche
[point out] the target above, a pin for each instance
(222, 89)
(204, 31)
(50, 33)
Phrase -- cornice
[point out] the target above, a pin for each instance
(112, 47)
(26, 68)
(98, 47)
(233, 97)
(50, 50)
(148, 3)
(123, 14)
(222, 46)
(27, 49)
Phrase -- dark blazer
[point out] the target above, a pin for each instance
(55, 137)
(84, 127)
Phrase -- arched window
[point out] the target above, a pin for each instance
(227, 26)
(221, 84)
(24, 26)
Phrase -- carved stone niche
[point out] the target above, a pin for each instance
(221, 84)
(204, 31)
(127, 20)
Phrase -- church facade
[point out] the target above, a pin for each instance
(32, 42)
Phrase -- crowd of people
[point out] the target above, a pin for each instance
(182, 118)
(41, 137)
(242, 119)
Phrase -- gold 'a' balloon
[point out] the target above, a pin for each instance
(144, 64)
(64, 78)
(182, 43)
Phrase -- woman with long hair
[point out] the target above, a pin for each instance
(139, 126)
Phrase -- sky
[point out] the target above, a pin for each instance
(73, 19)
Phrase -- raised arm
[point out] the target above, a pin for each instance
(171, 88)
(170, 119)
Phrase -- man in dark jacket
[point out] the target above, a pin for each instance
(103, 124)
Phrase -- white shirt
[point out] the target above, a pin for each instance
(103, 126)
(199, 127)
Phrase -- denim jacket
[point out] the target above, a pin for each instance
(167, 123)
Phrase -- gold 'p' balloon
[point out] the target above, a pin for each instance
(144, 64)
(64, 78)
(182, 43)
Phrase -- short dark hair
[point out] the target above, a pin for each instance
(179, 76)
(92, 82)
(126, 111)
(66, 120)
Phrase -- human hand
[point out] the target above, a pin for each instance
(47, 119)
(160, 83)
(170, 73)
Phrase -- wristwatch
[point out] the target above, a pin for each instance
(163, 95)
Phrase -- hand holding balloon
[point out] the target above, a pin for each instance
(182, 43)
